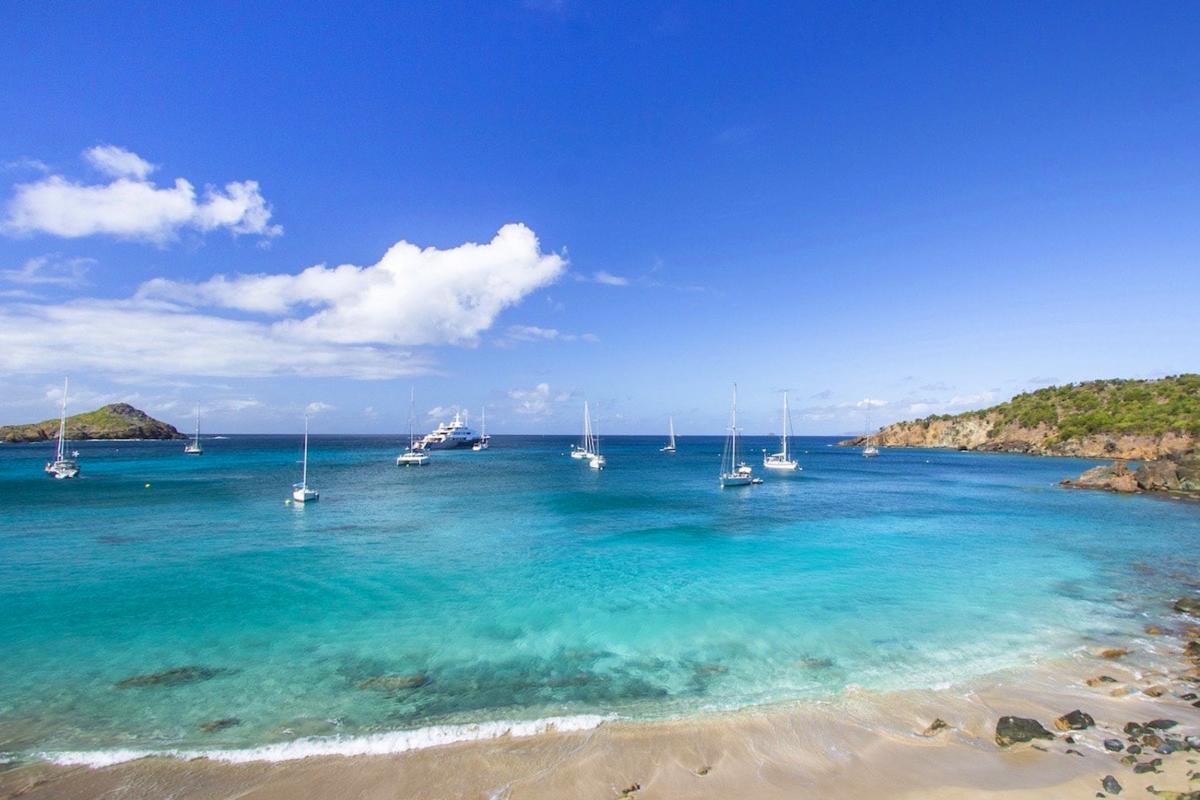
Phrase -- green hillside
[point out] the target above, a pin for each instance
(114, 421)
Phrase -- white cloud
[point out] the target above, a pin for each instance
(439, 412)
(954, 404)
(117, 162)
(317, 407)
(132, 207)
(535, 402)
(348, 321)
(870, 403)
(51, 269)
(412, 296)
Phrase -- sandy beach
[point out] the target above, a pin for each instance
(860, 745)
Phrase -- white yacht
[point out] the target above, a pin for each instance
(782, 460)
(302, 492)
(413, 456)
(62, 467)
(670, 446)
(193, 447)
(587, 445)
(484, 439)
(449, 435)
(734, 473)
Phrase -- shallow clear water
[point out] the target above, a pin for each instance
(518, 584)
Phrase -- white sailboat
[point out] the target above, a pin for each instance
(62, 467)
(586, 445)
(301, 492)
(670, 447)
(413, 456)
(193, 447)
(597, 461)
(870, 451)
(782, 460)
(732, 472)
(484, 439)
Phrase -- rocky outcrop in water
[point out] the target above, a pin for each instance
(1169, 476)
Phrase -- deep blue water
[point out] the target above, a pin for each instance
(516, 583)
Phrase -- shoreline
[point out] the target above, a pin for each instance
(859, 744)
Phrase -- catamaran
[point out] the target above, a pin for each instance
(301, 492)
(484, 439)
(62, 467)
(782, 460)
(670, 447)
(732, 472)
(587, 445)
(193, 447)
(414, 456)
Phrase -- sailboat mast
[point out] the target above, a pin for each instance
(62, 424)
(412, 400)
(197, 423)
(785, 427)
(671, 422)
(304, 474)
(733, 428)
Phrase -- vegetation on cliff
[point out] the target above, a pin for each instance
(1137, 419)
(114, 421)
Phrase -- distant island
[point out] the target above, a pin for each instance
(1140, 420)
(1155, 422)
(113, 421)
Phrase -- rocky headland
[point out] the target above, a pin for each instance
(113, 421)
(1137, 420)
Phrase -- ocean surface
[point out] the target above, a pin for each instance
(516, 585)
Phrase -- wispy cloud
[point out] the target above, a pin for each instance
(130, 206)
(533, 333)
(51, 269)
(537, 402)
(318, 407)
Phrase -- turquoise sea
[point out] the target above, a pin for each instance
(516, 584)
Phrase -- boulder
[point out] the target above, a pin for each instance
(1115, 477)
(1111, 785)
(1015, 730)
(1158, 476)
(1188, 605)
(1074, 721)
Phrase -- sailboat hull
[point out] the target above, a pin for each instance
(306, 495)
(62, 470)
(780, 463)
(735, 480)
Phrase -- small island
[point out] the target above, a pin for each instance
(1153, 422)
(113, 421)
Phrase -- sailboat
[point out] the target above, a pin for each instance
(782, 460)
(597, 461)
(585, 447)
(484, 439)
(670, 447)
(301, 492)
(870, 451)
(62, 467)
(193, 447)
(413, 456)
(733, 473)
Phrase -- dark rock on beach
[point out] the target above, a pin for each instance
(1111, 785)
(1113, 745)
(1074, 721)
(935, 727)
(1162, 724)
(176, 676)
(1015, 730)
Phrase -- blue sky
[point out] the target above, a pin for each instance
(920, 208)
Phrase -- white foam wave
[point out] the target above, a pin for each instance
(372, 744)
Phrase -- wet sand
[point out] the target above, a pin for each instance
(861, 745)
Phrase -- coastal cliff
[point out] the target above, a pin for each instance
(114, 421)
(1140, 420)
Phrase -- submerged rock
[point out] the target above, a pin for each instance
(393, 683)
(1014, 730)
(1100, 680)
(1074, 721)
(177, 676)
(212, 726)
(1114, 652)
(1188, 605)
